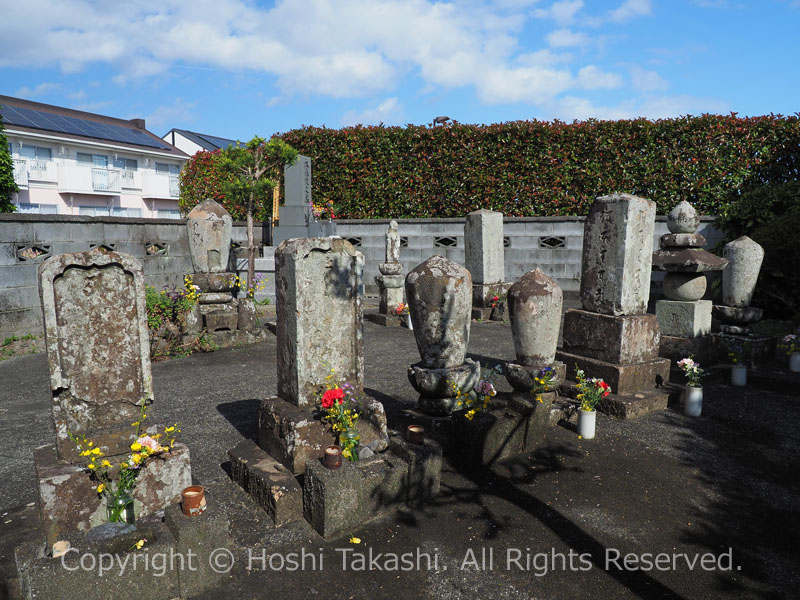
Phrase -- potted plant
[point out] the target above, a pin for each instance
(590, 392)
(792, 345)
(738, 369)
(693, 392)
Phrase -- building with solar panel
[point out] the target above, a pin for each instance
(78, 163)
(192, 142)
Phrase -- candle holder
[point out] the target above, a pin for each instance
(332, 459)
(193, 500)
(415, 434)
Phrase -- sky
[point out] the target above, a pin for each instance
(237, 68)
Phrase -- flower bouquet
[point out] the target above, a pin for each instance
(341, 412)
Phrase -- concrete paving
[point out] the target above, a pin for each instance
(553, 521)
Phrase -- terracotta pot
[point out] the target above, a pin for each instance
(193, 500)
(415, 434)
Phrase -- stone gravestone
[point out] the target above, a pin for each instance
(390, 282)
(484, 257)
(295, 217)
(613, 337)
(439, 295)
(684, 318)
(98, 354)
(319, 328)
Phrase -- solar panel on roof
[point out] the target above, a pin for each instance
(38, 119)
(217, 141)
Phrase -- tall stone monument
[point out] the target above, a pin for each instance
(390, 281)
(684, 318)
(295, 219)
(98, 354)
(485, 259)
(439, 295)
(613, 337)
(319, 328)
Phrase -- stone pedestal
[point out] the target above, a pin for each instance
(624, 379)
(523, 377)
(294, 435)
(68, 500)
(684, 319)
(385, 320)
(624, 339)
(754, 350)
(438, 387)
(675, 348)
(391, 292)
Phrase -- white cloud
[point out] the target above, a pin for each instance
(630, 9)
(644, 80)
(564, 38)
(562, 12)
(593, 78)
(40, 90)
(388, 112)
(173, 115)
(651, 107)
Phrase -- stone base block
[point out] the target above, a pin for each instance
(628, 406)
(248, 317)
(385, 319)
(536, 414)
(215, 298)
(391, 292)
(42, 576)
(339, 501)
(522, 377)
(675, 348)
(294, 435)
(221, 320)
(232, 307)
(753, 350)
(623, 379)
(229, 339)
(684, 319)
(440, 428)
(481, 313)
(267, 481)
(423, 478)
(68, 500)
(491, 436)
(199, 535)
(214, 282)
(623, 339)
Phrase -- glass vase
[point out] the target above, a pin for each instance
(120, 508)
(348, 440)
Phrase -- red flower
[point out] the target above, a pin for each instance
(602, 385)
(329, 396)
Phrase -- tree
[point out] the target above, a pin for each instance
(256, 168)
(7, 184)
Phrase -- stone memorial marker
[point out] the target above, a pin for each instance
(439, 295)
(612, 337)
(390, 281)
(295, 217)
(484, 257)
(209, 226)
(319, 328)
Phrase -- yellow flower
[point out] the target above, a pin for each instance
(139, 544)
(539, 398)
(91, 466)
(105, 463)
(96, 451)
(355, 540)
(91, 444)
(168, 429)
(136, 446)
(100, 488)
(136, 458)
(124, 465)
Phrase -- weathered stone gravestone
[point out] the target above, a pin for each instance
(390, 282)
(319, 328)
(439, 295)
(612, 337)
(484, 256)
(295, 217)
(209, 226)
(684, 319)
(98, 354)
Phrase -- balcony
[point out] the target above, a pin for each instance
(84, 179)
(160, 185)
(21, 172)
(131, 179)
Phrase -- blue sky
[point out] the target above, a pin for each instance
(235, 68)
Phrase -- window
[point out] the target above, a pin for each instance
(94, 211)
(129, 164)
(96, 160)
(167, 169)
(168, 214)
(40, 209)
(35, 152)
(126, 212)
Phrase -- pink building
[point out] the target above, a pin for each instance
(77, 163)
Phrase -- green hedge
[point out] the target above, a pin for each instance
(532, 168)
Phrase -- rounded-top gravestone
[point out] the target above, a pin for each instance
(740, 276)
(209, 226)
(534, 304)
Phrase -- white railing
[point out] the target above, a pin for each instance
(174, 186)
(41, 170)
(128, 178)
(21, 172)
(106, 180)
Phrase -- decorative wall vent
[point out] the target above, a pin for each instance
(553, 241)
(445, 242)
(154, 248)
(506, 241)
(27, 253)
(356, 241)
(404, 241)
(110, 247)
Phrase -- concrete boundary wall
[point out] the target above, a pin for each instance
(553, 244)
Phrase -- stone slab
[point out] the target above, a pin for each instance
(675, 348)
(687, 260)
(215, 298)
(423, 478)
(385, 320)
(214, 282)
(491, 436)
(269, 483)
(199, 535)
(68, 500)
(340, 501)
(294, 435)
(221, 320)
(536, 413)
(682, 240)
(483, 246)
(616, 339)
(624, 406)
(684, 319)
(623, 379)
(41, 576)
